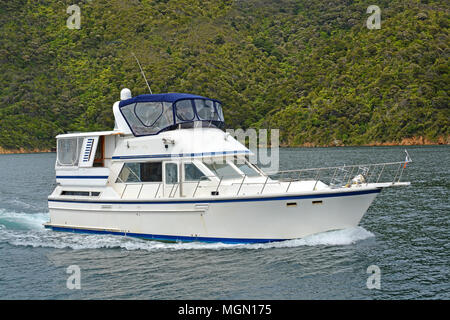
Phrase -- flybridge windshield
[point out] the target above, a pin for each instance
(152, 117)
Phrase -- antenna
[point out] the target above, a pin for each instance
(142, 71)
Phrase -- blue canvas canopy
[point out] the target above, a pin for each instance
(161, 97)
(149, 114)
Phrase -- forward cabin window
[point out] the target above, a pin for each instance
(245, 167)
(148, 112)
(206, 111)
(141, 172)
(222, 169)
(146, 118)
(192, 173)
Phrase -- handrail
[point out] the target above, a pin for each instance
(337, 167)
(335, 176)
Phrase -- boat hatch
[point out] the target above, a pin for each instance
(150, 114)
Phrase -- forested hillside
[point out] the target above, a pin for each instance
(310, 68)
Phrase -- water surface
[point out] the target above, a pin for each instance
(405, 233)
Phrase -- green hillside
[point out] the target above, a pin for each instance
(310, 68)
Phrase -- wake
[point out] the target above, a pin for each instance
(26, 229)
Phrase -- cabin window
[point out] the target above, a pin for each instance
(146, 118)
(184, 110)
(148, 112)
(151, 172)
(243, 165)
(219, 110)
(222, 169)
(68, 151)
(171, 173)
(81, 193)
(205, 110)
(192, 173)
(141, 172)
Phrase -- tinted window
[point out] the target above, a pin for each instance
(151, 172)
(141, 172)
(171, 173)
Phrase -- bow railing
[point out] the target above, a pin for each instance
(344, 176)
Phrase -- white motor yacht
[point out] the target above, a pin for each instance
(168, 171)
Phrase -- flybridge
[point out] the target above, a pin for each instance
(150, 114)
(147, 129)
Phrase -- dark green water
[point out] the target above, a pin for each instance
(405, 233)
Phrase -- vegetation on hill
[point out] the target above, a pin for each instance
(310, 68)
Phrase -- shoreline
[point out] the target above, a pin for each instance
(415, 141)
(25, 151)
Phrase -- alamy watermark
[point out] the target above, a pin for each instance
(258, 150)
(374, 21)
(262, 153)
(74, 280)
(374, 280)
(74, 21)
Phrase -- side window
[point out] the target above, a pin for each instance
(151, 172)
(171, 173)
(149, 112)
(141, 172)
(131, 118)
(130, 173)
(192, 173)
(68, 151)
(219, 111)
(205, 110)
(184, 110)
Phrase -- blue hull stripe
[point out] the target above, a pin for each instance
(81, 177)
(166, 237)
(310, 196)
(181, 155)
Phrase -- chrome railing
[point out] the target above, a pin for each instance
(334, 177)
(345, 175)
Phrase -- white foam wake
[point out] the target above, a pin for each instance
(26, 229)
(22, 220)
(63, 240)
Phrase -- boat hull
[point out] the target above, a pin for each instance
(233, 220)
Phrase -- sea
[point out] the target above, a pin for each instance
(400, 250)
